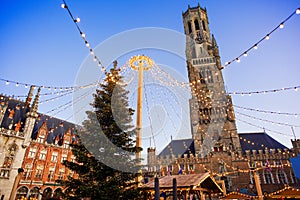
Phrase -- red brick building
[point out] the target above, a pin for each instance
(43, 160)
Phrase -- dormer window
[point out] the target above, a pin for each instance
(41, 138)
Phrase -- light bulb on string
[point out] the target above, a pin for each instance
(298, 11)
(245, 54)
(7, 82)
(77, 20)
(82, 34)
(255, 46)
(281, 25)
(17, 84)
(267, 37)
(238, 60)
(63, 5)
(26, 86)
(87, 44)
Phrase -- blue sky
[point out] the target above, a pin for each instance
(40, 45)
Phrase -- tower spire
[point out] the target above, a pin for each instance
(30, 120)
(35, 103)
(29, 96)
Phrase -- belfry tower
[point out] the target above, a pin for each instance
(211, 111)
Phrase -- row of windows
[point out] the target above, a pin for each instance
(39, 174)
(41, 139)
(197, 26)
(206, 75)
(43, 153)
(267, 177)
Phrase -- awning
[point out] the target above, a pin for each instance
(203, 182)
(286, 192)
(237, 195)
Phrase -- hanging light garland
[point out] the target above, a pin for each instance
(266, 91)
(265, 120)
(277, 132)
(267, 111)
(266, 37)
(72, 102)
(149, 118)
(55, 88)
(83, 36)
(54, 98)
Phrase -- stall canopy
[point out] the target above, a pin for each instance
(237, 195)
(286, 192)
(203, 182)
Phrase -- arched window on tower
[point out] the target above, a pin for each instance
(210, 76)
(189, 27)
(197, 25)
(203, 25)
(201, 74)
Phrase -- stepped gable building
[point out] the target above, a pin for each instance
(216, 146)
(33, 146)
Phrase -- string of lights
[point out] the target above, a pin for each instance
(69, 103)
(149, 117)
(60, 88)
(254, 125)
(259, 145)
(163, 130)
(266, 37)
(236, 169)
(77, 111)
(266, 91)
(47, 94)
(54, 98)
(83, 36)
(266, 111)
(265, 120)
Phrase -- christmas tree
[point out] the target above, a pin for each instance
(105, 167)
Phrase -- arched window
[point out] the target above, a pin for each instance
(34, 192)
(58, 193)
(281, 176)
(21, 192)
(189, 27)
(293, 177)
(47, 193)
(203, 25)
(196, 25)
(268, 177)
(210, 76)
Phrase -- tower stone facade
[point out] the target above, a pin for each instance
(15, 126)
(211, 111)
